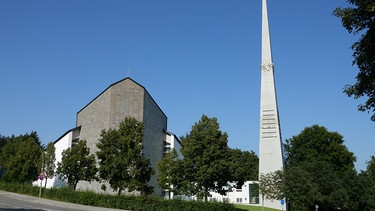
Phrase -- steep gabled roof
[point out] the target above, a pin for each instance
(127, 78)
(66, 133)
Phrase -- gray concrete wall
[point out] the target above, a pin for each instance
(120, 100)
(155, 124)
(93, 118)
(106, 111)
(126, 100)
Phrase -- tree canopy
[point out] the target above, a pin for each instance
(49, 162)
(316, 143)
(168, 171)
(205, 163)
(121, 161)
(77, 164)
(271, 186)
(300, 189)
(361, 19)
(366, 189)
(244, 166)
(370, 169)
(318, 170)
(21, 157)
(3, 141)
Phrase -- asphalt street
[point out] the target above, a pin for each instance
(16, 202)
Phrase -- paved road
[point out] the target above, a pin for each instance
(17, 202)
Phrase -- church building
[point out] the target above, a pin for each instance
(125, 98)
(128, 98)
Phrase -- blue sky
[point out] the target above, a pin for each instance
(194, 57)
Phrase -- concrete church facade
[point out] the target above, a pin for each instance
(122, 99)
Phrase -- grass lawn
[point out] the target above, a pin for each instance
(241, 207)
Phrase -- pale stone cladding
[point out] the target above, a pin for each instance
(125, 98)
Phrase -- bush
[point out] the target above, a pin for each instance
(141, 203)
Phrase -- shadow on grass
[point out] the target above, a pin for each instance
(239, 209)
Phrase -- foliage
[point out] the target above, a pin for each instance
(319, 168)
(244, 166)
(271, 186)
(21, 156)
(364, 189)
(361, 19)
(205, 166)
(208, 163)
(20, 188)
(316, 143)
(77, 164)
(167, 170)
(300, 188)
(3, 141)
(121, 160)
(49, 162)
(316, 182)
(370, 169)
(144, 203)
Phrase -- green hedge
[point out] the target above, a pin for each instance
(142, 203)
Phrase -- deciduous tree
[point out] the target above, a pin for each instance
(243, 166)
(77, 164)
(49, 162)
(21, 157)
(121, 161)
(323, 161)
(168, 171)
(205, 162)
(360, 19)
(316, 143)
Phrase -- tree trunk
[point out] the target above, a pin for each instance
(262, 202)
(75, 185)
(205, 194)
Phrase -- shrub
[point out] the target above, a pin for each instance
(141, 203)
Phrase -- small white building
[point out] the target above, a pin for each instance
(248, 194)
(172, 142)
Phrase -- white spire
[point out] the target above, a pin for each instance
(266, 42)
(270, 145)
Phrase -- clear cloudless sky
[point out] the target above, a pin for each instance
(194, 57)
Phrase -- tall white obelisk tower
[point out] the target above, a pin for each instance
(270, 145)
